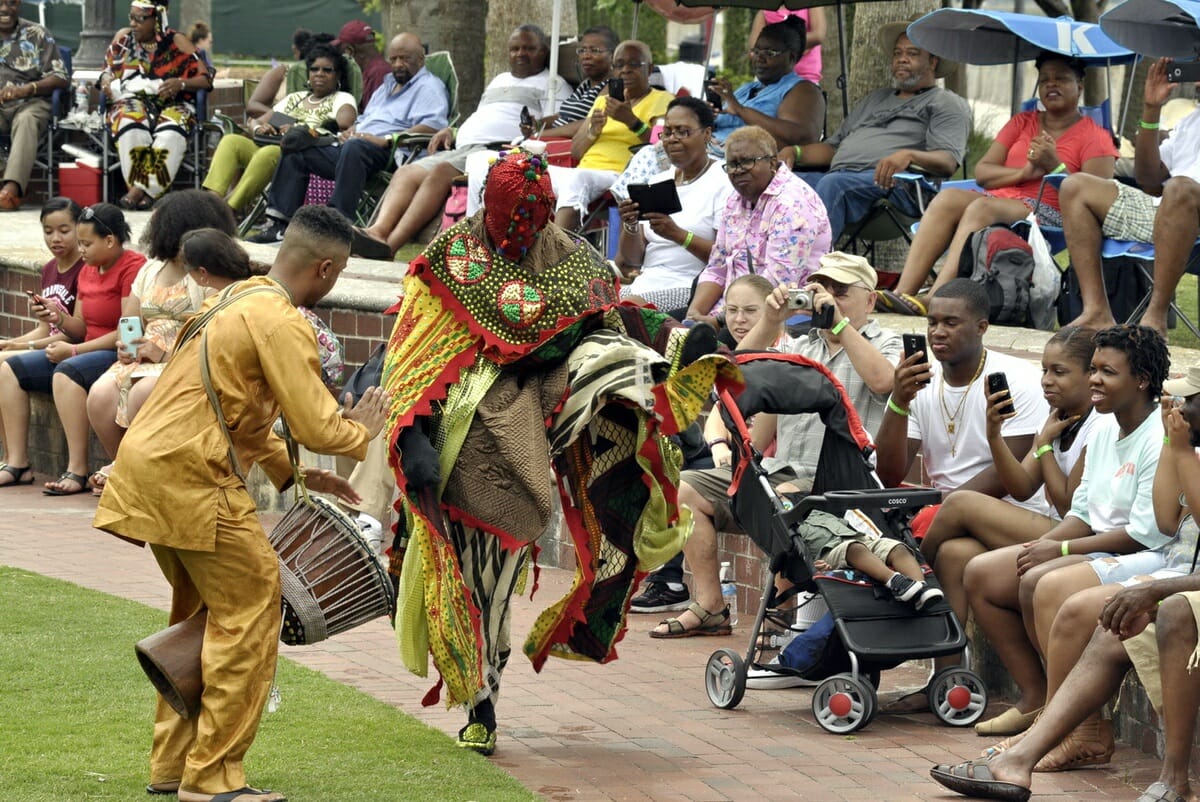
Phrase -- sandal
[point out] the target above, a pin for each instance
(1160, 792)
(1089, 744)
(98, 479)
(66, 476)
(1011, 722)
(901, 303)
(710, 624)
(975, 779)
(169, 788)
(18, 475)
(1004, 745)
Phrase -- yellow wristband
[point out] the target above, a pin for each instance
(1061, 168)
(1066, 548)
(1038, 454)
(841, 324)
(899, 410)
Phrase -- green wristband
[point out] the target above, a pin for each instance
(1042, 450)
(841, 324)
(687, 241)
(799, 151)
(1166, 440)
(894, 407)
(1061, 168)
(1145, 126)
(1066, 548)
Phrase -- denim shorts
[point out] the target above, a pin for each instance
(35, 372)
(1121, 567)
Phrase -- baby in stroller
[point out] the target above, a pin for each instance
(833, 544)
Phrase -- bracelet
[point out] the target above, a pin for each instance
(638, 126)
(629, 228)
(894, 407)
(257, 127)
(1066, 548)
(720, 441)
(841, 324)
(1166, 440)
(1042, 450)
(687, 241)
(1145, 126)
(1061, 168)
(799, 150)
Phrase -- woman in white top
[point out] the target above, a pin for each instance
(662, 254)
(240, 155)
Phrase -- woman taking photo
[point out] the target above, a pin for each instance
(1032, 145)
(662, 253)
(327, 99)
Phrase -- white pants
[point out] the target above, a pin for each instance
(574, 187)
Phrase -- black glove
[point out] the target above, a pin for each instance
(418, 457)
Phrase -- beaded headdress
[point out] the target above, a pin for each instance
(518, 201)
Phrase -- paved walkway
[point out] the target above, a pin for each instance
(640, 728)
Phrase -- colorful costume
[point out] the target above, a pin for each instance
(522, 359)
(174, 487)
(150, 132)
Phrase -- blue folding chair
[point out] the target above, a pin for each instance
(1143, 255)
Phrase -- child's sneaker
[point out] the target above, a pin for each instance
(903, 588)
(928, 595)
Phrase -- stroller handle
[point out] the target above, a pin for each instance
(838, 501)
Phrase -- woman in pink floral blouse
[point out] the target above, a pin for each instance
(774, 224)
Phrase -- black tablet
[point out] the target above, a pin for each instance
(660, 197)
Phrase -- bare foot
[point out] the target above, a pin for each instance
(1156, 322)
(1094, 321)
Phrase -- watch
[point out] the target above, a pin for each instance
(32, 347)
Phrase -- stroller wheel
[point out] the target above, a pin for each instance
(844, 703)
(957, 696)
(725, 678)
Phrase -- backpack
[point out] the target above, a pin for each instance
(806, 649)
(455, 208)
(1000, 260)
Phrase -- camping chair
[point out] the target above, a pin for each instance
(60, 104)
(1142, 254)
(195, 159)
(296, 79)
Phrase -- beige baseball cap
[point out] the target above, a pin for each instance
(1185, 385)
(847, 268)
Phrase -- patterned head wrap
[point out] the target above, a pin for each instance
(159, 8)
(518, 201)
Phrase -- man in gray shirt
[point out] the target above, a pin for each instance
(915, 124)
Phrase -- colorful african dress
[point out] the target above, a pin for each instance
(533, 379)
(151, 133)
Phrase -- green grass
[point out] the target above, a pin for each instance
(1185, 297)
(76, 715)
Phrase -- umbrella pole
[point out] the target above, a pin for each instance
(555, 31)
(1128, 93)
(637, 10)
(843, 79)
(708, 43)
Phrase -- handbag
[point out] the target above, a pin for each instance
(368, 375)
(300, 137)
(1047, 279)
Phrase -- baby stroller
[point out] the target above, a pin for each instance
(872, 631)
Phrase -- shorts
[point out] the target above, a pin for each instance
(1142, 649)
(1131, 216)
(577, 187)
(35, 372)
(455, 157)
(1047, 215)
(1121, 567)
(713, 485)
(881, 547)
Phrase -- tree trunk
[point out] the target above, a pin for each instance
(503, 16)
(190, 11)
(454, 25)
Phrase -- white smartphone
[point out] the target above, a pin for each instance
(130, 329)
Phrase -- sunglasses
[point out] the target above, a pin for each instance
(89, 216)
(330, 70)
(140, 18)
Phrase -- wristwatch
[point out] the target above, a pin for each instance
(32, 347)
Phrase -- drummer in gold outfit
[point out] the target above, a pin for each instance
(175, 487)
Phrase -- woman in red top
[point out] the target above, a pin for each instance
(1033, 144)
(68, 369)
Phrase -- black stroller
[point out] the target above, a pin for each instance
(872, 631)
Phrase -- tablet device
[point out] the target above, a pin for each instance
(660, 197)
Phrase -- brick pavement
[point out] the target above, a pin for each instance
(640, 728)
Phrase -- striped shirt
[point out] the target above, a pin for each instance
(577, 106)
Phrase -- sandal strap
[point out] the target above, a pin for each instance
(707, 617)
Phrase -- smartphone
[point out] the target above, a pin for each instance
(914, 343)
(130, 329)
(616, 89)
(713, 97)
(1183, 72)
(526, 117)
(997, 382)
(33, 296)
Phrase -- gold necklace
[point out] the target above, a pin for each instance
(683, 181)
(949, 419)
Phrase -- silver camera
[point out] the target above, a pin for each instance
(800, 300)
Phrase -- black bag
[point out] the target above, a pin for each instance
(1002, 261)
(367, 376)
(1124, 284)
(301, 137)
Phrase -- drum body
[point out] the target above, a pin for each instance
(331, 579)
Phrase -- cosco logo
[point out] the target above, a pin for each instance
(897, 502)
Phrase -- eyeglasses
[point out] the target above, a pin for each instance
(763, 52)
(89, 216)
(140, 18)
(591, 51)
(836, 288)
(676, 133)
(736, 168)
(633, 65)
(322, 69)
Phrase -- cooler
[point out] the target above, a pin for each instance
(80, 182)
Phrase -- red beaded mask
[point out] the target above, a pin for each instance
(518, 202)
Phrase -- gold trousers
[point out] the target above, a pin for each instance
(238, 584)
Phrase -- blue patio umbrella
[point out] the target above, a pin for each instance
(1156, 28)
(976, 36)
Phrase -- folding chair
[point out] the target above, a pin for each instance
(195, 160)
(60, 103)
(1143, 255)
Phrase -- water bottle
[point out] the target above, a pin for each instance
(729, 593)
(81, 97)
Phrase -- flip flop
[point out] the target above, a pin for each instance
(1160, 792)
(901, 303)
(18, 475)
(169, 788)
(365, 246)
(67, 476)
(974, 778)
(246, 794)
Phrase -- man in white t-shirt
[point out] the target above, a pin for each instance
(1165, 211)
(417, 191)
(939, 408)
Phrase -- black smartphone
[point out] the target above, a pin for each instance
(997, 382)
(526, 117)
(616, 89)
(713, 97)
(914, 343)
(1183, 72)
